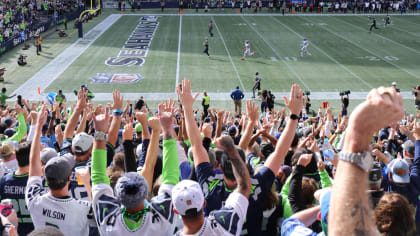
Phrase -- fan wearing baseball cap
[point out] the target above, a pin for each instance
(55, 207)
(126, 212)
(188, 200)
(218, 187)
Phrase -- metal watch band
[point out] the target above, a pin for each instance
(99, 135)
(363, 160)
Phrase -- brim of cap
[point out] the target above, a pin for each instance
(401, 179)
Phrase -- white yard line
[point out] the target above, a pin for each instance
(221, 96)
(266, 14)
(179, 52)
(277, 54)
(383, 37)
(326, 54)
(369, 51)
(230, 57)
(59, 64)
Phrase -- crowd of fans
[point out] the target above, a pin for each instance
(321, 6)
(25, 15)
(119, 170)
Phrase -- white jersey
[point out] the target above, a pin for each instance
(226, 221)
(247, 46)
(8, 167)
(158, 220)
(305, 43)
(69, 215)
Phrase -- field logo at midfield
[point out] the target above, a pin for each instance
(107, 78)
(136, 48)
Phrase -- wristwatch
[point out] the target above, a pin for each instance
(294, 117)
(100, 135)
(363, 160)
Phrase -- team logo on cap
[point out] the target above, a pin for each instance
(106, 78)
(189, 203)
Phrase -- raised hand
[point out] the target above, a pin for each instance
(82, 99)
(101, 122)
(166, 118)
(252, 110)
(154, 123)
(295, 101)
(382, 107)
(185, 94)
(304, 159)
(128, 131)
(225, 143)
(42, 116)
(118, 100)
(141, 117)
(207, 130)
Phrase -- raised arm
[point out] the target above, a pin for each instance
(252, 111)
(199, 152)
(240, 171)
(294, 103)
(99, 159)
(116, 118)
(219, 123)
(152, 151)
(170, 165)
(351, 215)
(72, 122)
(34, 156)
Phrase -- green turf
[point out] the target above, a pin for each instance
(344, 55)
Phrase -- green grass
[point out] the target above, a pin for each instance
(344, 55)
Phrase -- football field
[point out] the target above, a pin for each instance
(149, 54)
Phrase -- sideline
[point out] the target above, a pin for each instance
(215, 96)
(58, 65)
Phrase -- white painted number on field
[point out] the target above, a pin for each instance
(391, 58)
(290, 58)
(373, 58)
(314, 24)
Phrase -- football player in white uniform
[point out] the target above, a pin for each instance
(247, 50)
(304, 48)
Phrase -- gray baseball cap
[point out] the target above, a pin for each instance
(131, 189)
(47, 154)
(59, 168)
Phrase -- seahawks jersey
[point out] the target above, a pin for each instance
(158, 220)
(69, 215)
(13, 187)
(216, 193)
(226, 221)
(294, 227)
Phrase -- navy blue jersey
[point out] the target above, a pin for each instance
(216, 193)
(13, 187)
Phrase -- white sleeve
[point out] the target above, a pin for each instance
(31, 133)
(181, 153)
